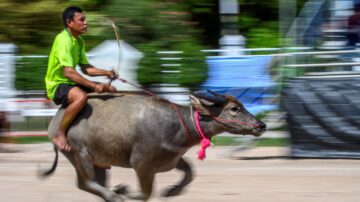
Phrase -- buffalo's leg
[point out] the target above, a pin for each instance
(101, 176)
(92, 179)
(176, 189)
(146, 180)
(120, 189)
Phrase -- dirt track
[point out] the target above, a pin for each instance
(261, 174)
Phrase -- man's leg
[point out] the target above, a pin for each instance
(77, 99)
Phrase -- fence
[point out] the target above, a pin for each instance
(283, 64)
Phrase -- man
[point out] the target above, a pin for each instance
(64, 85)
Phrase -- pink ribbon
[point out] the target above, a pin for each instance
(205, 142)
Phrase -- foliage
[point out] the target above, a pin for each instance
(205, 14)
(33, 24)
(259, 22)
(167, 26)
(263, 36)
(30, 73)
(26, 23)
(188, 70)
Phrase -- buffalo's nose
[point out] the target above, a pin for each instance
(262, 126)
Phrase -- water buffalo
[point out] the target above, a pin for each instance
(145, 133)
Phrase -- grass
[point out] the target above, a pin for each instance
(24, 140)
(273, 142)
(261, 142)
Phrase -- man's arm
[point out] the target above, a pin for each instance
(74, 76)
(93, 71)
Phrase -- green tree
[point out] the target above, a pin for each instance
(29, 24)
(32, 25)
(259, 22)
(160, 25)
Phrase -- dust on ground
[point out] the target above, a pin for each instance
(258, 174)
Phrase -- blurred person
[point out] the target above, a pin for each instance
(4, 127)
(3, 122)
(353, 27)
(64, 85)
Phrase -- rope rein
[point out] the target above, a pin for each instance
(137, 86)
(193, 121)
(234, 121)
(182, 122)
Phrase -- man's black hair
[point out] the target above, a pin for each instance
(69, 13)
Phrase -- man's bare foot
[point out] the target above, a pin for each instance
(61, 142)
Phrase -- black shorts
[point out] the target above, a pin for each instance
(62, 91)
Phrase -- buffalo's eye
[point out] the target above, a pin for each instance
(234, 109)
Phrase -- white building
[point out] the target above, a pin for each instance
(107, 56)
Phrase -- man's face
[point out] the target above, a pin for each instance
(79, 24)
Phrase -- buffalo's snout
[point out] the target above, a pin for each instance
(261, 128)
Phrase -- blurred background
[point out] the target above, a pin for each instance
(293, 63)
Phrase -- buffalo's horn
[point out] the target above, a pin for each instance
(214, 93)
(217, 100)
(221, 98)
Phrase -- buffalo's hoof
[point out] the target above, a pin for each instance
(120, 189)
(114, 198)
(173, 191)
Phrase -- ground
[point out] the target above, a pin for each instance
(260, 174)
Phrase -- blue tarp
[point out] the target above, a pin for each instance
(239, 72)
(246, 78)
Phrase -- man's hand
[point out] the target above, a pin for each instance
(101, 87)
(112, 75)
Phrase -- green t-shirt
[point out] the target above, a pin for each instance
(67, 51)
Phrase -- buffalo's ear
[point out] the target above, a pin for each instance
(201, 104)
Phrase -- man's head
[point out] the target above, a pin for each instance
(74, 20)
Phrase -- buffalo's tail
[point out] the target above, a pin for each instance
(46, 173)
